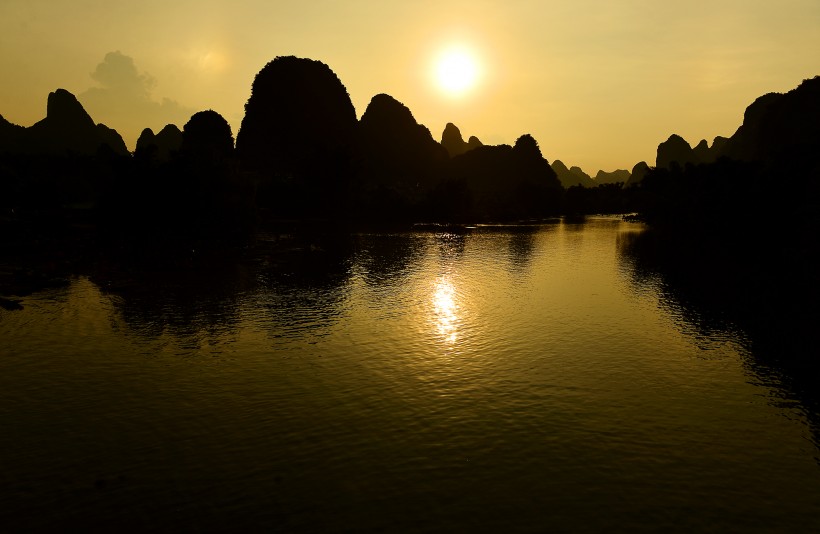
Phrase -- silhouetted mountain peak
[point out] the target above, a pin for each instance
(559, 167)
(718, 145)
(526, 146)
(6, 126)
(161, 145)
(451, 131)
(701, 152)
(757, 109)
(572, 176)
(399, 153)
(208, 136)
(298, 136)
(64, 110)
(579, 171)
(385, 112)
(298, 114)
(68, 127)
(146, 139)
(637, 175)
(674, 150)
(169, 137)
(530, 164)
(641, 167)
(10, 136)
(614, 177)
(452, 140)
(112, 138)
(780, 126)
(504, 182)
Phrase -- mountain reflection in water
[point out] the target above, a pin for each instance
(720, 299)
(536, 378)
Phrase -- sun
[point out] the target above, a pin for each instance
(456, 71)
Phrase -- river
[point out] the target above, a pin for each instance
(502, 379)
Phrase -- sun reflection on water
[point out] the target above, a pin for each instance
(446, 310)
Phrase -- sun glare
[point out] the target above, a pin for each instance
(445, 309)
(456, 71)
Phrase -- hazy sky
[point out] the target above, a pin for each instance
(599, 83)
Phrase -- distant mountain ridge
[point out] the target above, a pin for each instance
(780, 126)
(301, 152)
(452, 141)
(776, 127)
(571, 177)
(160, 146)
(67, 128)
(301, 141)
(614, 177)
(677, 150)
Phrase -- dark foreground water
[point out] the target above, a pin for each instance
(510, 379)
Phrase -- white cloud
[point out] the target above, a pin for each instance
(124, 99)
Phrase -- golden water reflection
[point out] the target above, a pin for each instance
(445, 309)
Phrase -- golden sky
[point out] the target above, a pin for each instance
(599, 83)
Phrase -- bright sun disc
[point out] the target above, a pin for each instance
(456, 71)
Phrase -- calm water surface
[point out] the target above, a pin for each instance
(510, 379)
